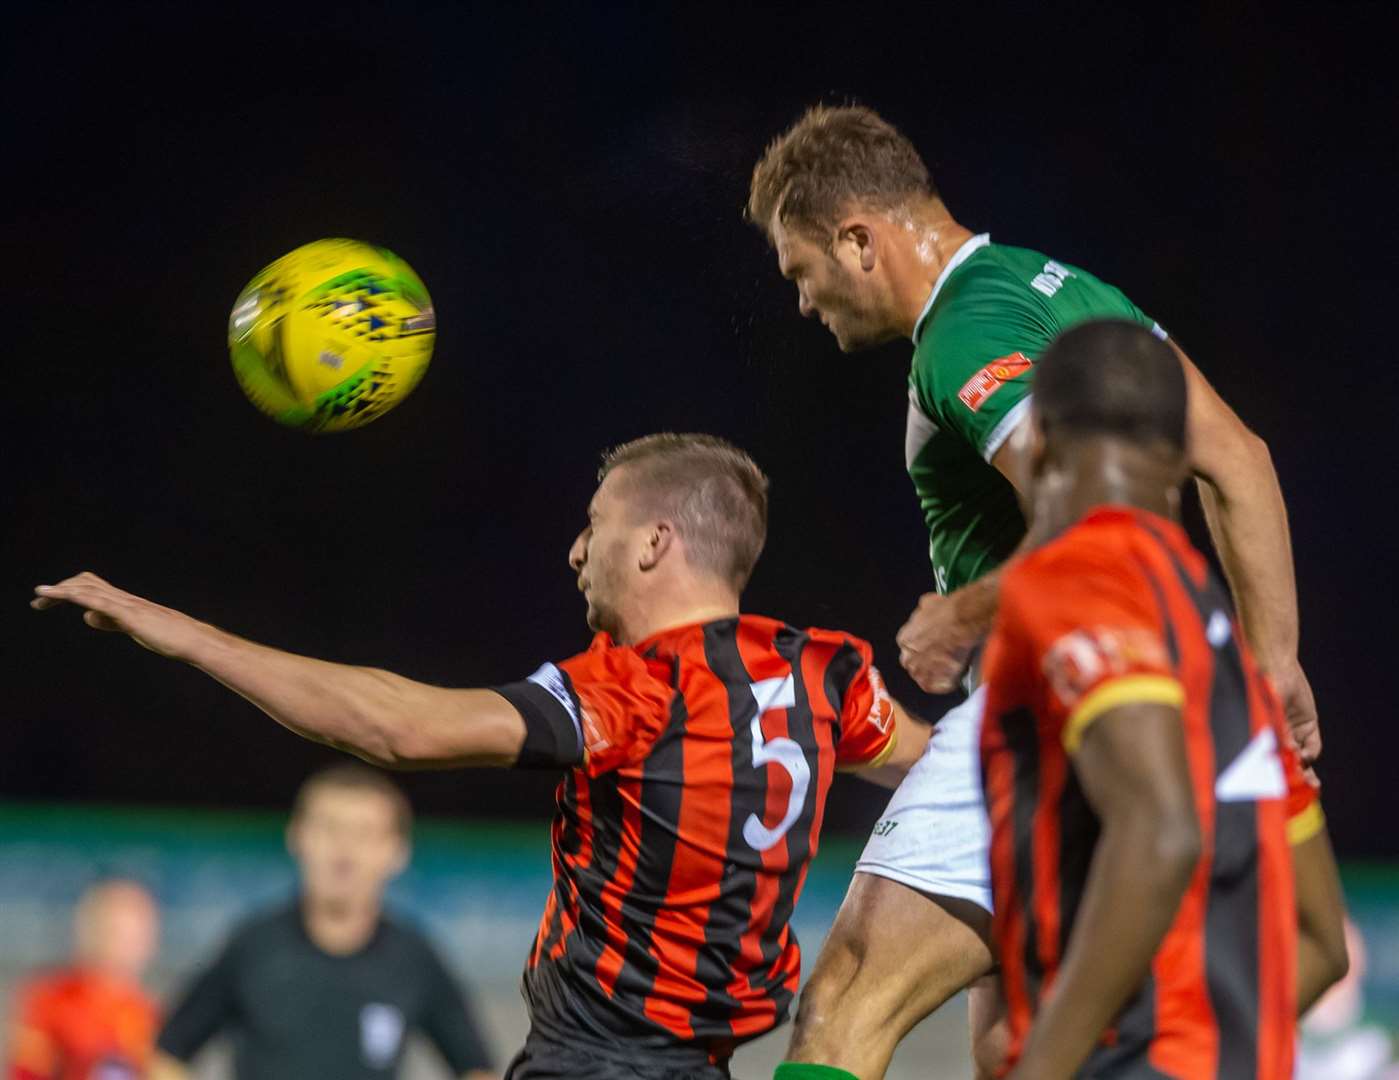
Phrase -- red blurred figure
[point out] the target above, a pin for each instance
(92, 1020)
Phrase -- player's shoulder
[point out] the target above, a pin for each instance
(987, 304)
(45, 987)
(777, 634)
(1099, 545)
(995, 273)
(836, 640)
(404, 935)
(267, 928)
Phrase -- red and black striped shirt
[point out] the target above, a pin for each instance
(700, 763)
(1119, 610)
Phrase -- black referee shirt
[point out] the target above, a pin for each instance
(297, 1013)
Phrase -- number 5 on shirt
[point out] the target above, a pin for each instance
(772, 694)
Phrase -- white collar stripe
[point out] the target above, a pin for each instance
(961, 255)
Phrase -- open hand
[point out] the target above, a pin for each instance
(160, 629)
(1299, 708)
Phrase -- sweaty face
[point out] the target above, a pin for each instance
(347, 843)
(602, 556)
(833, 287)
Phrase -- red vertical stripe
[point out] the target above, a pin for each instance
(1277, 936)
(698, 867)
(1009, 922)
(814, 667)
(1190, 1043)
(609, 963)
(762, 661)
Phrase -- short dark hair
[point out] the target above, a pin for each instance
(714, 493)
(830, 157)
(1112, 377)
(354, 776)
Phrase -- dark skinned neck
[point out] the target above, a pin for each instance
(1084, 473)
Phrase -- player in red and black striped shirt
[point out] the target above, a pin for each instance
(699, 746)
(1141, 789)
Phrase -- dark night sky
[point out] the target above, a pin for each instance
(567, 180)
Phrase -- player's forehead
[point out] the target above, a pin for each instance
(794, 248)
(328, 802)
(613, 489)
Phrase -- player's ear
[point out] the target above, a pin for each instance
(659, 540)
(858, 239)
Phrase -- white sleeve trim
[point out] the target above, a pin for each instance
(550, 679)
(1003, 431)
(1159, 331)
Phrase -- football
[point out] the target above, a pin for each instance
(331, 335)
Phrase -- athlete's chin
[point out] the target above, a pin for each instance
(858, 340)
(600, 620)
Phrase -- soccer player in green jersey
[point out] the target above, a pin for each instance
(852, 213)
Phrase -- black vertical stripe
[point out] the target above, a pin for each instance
(662, 790)
(1231, 914)
(801, 729)
(569, 831)
(585, 948)
(840, 673)
(1078, 839)
(729, 914)
(1136, 1028)
(1022, 740)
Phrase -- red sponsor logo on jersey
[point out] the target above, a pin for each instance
(882, 708)
(991, 378)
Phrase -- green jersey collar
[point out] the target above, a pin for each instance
(961, 255)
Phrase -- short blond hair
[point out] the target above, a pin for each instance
(714, 493)
(831, 157)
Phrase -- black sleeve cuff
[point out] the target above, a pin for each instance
(553, 738)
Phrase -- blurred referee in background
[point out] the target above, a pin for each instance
(327, 986)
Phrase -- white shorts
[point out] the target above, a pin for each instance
(934, 835)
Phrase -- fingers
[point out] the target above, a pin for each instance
(98, 621)
(934, 674)
(85, 589)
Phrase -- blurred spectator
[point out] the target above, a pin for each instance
(327, 986)
(92, 1020)
(1337, 1042)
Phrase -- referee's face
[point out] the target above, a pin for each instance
(347, 843)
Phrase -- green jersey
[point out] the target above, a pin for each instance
(991, 314)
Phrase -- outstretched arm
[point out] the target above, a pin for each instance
(1243, 505)
(376, 715)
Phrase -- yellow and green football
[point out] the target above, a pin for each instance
(332, 335)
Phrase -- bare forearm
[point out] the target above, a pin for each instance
(1134, 889)
(373, 714)
(1248, 523)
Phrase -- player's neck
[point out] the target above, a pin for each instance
(1107, 473)
(339, 929)
(931, 238)
(685, 609)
